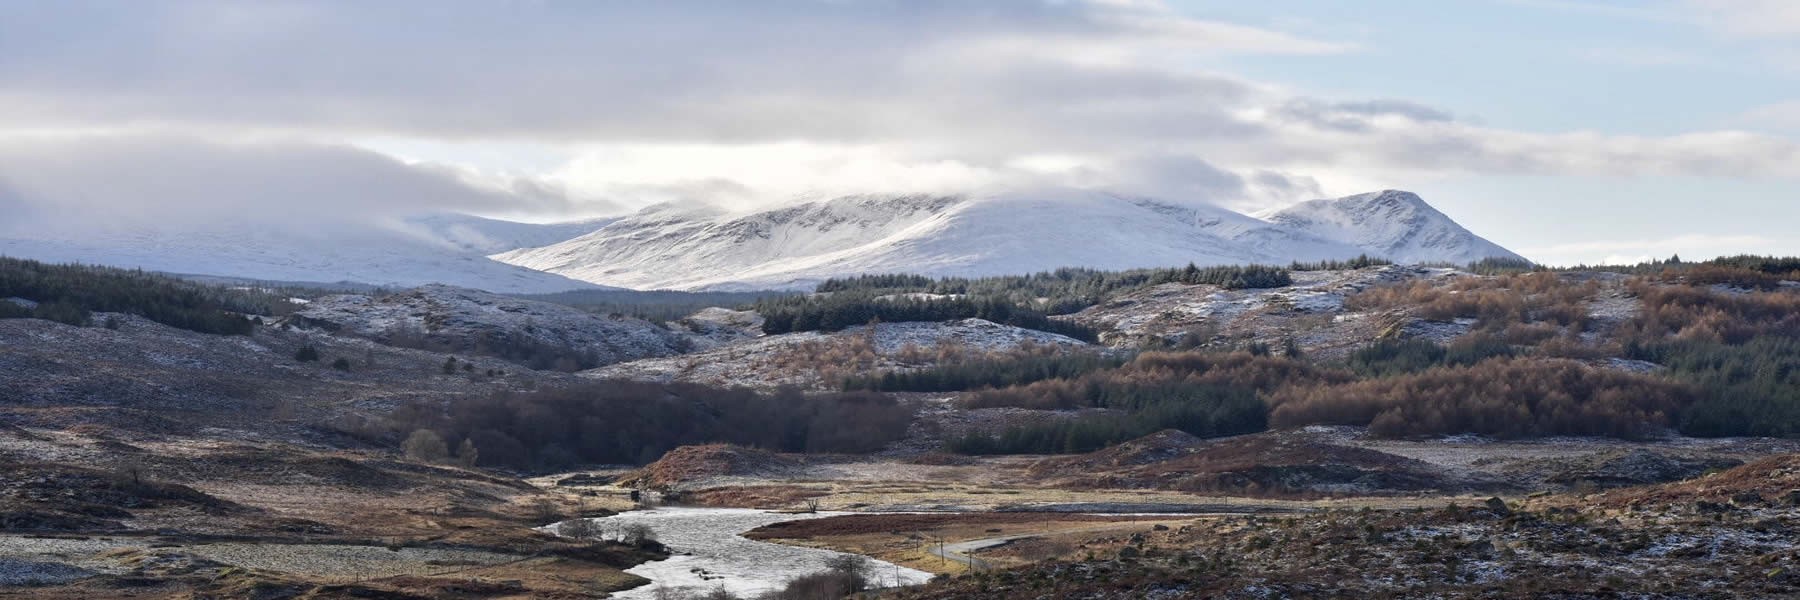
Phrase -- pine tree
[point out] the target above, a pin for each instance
(307, 353)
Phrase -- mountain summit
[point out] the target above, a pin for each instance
(1392, 224)
(797, 246)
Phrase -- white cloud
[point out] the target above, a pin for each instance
(1782, 115)
(1750, 18)
(1689, 247)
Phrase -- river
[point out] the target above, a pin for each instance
(709, 552)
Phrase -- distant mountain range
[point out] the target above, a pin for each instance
(448, 249)
(797, 246)
(793, 247)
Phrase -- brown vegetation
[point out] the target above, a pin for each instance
(1701, 314)
(1506, 398)
(695, 463)
(1263, 465)
(1161, 369)
(1495, 301)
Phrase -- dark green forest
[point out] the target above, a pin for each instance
(652, 305)
(619, 422)
(839, 310)
(72, 293)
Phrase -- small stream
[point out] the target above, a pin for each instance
(709, 553)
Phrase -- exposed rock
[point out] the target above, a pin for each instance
(1498, 506)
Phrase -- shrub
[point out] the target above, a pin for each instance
(579, 529)
(829, 585)
(341, 364)
(307, 353)
(425, 445)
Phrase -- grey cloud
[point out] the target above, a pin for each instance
(976, 83)
(1356, 117)
(127, 180)
(1177, 177)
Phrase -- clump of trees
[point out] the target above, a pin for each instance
(987, 372)
(1693, 313)
(1360, 262)
(1503, 398)
(1738, 349)
(1495, 302)
(1204, 411)
(655, 306)
(71, 293)
(1204, 394)
(1154, 375)
(1396, 356)
(1752, 388)
(839, 310)
(1062, 291)
(632, 422)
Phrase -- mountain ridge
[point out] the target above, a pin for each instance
(796, 246)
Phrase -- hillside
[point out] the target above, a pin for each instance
(403, 254)
(539, 335)
(1011, 233)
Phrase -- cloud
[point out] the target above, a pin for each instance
(659, 101)
(1690, 247)
(1750, 18)
(680, 69)
(1782, 115)
(140, 180)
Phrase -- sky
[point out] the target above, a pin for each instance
(1571, 131)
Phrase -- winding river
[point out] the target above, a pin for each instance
(709, 552)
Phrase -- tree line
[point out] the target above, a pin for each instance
(70, 293)
(840, 310)
(617, 422)
(1062, 291)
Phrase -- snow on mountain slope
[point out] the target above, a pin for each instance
(323, 252)
(1391, 224)
(795, 247)
(489, 236)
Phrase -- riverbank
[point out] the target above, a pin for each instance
(708, 551)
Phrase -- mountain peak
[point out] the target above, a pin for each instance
(1394, 224)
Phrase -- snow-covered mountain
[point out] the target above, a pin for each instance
(666, 247)
(1391, 224)
(489, 236)
(401, 254)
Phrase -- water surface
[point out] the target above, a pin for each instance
(709, 552)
